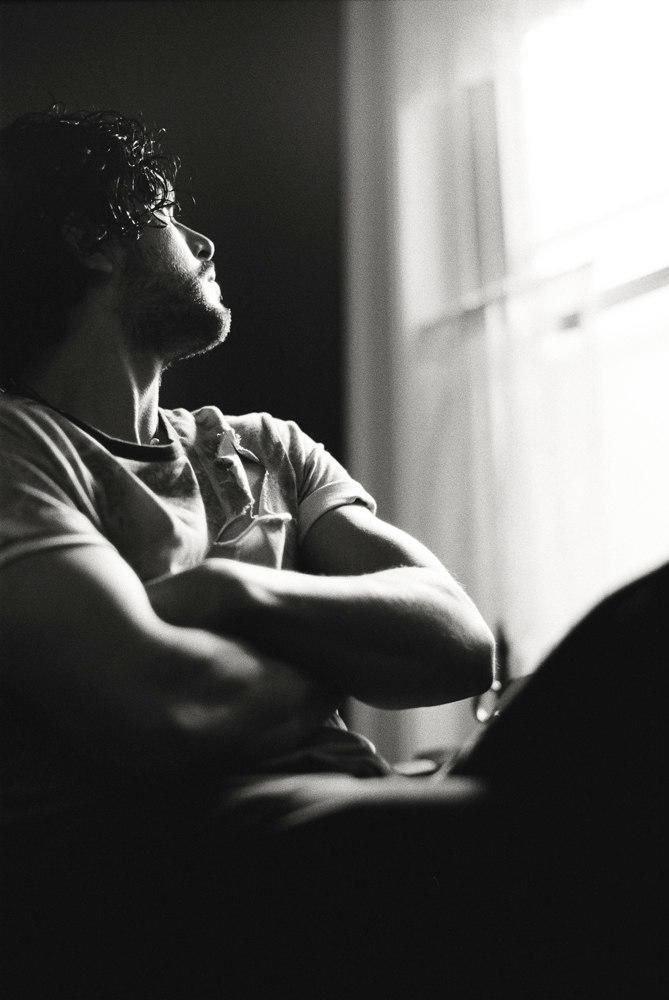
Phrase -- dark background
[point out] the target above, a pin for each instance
(249, 93)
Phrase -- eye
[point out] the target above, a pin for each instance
(164, 214)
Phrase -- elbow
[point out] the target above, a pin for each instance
(479, 661)
(465, 650)
(458, 666)
(465, 662)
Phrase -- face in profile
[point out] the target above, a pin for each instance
(171, 304)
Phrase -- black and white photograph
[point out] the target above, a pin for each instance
(334, 499)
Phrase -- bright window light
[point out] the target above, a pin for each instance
(595, 79)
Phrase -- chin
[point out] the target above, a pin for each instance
(177, 317)
(206, 333)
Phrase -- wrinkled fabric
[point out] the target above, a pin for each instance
(245, 488)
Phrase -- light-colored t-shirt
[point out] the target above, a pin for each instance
(246, 488)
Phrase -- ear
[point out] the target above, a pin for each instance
(76, 236)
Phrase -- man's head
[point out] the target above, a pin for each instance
(81, 190)
(169, 302)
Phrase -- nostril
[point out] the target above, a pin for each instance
(200, 246)
(205, 248)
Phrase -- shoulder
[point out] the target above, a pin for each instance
(16, 412)
(25, 421)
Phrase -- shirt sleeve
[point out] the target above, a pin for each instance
(322, 482)
(46, 499)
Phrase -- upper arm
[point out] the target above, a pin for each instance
(350, 540)
(82, 642)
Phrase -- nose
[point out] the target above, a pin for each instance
(200, 246)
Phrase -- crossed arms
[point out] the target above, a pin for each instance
(230, 662)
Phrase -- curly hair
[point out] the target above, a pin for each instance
(98, 172)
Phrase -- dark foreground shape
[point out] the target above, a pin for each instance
(539, 876)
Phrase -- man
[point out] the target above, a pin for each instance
(186, 597)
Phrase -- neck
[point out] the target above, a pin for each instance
(99, 381)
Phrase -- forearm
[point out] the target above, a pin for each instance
(396, 638)
(82, 644)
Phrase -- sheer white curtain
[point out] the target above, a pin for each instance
(525, 267)
(586, 318)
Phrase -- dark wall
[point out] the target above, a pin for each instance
(249, 95)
